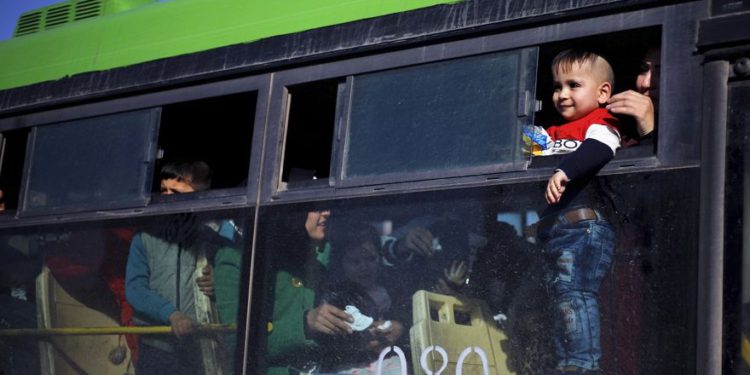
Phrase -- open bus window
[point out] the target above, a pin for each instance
(217, 131)
(309, 133)
(12, 155)
(94, 276)
(627, 52)
(437, 119)
(94, 163)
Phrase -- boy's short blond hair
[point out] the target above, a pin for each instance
(599, 65)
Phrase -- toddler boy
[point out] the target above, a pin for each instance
(578, 241)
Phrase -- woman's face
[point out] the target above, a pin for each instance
(315, 224)
(361, 264)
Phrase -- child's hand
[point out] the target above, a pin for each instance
(206, 282)
(182, 324)
(457, 273)
(556, 186)
(384, 338)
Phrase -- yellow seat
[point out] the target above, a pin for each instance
(461, 330)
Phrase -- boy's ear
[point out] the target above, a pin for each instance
(604, 92)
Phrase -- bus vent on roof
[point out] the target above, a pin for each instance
(61, 14)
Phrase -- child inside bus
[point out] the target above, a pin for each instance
(356, 281)
(155, 266)
(578, 241)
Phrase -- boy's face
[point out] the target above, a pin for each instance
(173, 186)
(579, 91)
(361, 264)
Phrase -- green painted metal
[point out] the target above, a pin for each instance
(166, 29)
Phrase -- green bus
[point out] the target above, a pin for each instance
(328, 186)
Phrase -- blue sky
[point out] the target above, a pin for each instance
(11, 9)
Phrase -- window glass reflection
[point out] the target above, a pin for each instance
(459, 275)
(155, 295)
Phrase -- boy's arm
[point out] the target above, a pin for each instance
(588, 159)
(137, 291)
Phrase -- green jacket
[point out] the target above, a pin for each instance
(294, 294)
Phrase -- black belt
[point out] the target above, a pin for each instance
(571, 216)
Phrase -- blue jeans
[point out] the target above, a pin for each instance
(579, 256)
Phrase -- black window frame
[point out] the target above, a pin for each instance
(227, 198)
(524, 110)
(677, 142)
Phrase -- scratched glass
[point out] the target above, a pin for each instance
(451, 282)
(84, 298)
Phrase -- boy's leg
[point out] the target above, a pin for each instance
(582, 255)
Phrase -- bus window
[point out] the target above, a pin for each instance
(309, 133)
(455, 270)
(99, 162)
(122, 281)
(426, 119)
(12, 154)
(217, 131)
(627, 57)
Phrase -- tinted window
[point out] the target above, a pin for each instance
(438, 117)
(98, 162)
(115, 276)
(410, 274)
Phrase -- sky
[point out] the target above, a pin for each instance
(10, 10)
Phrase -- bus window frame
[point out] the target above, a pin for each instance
(228, 198)
(677, 146)
(526, 89)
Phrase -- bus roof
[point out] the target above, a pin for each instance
(164, 29)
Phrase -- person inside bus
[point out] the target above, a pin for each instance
(20, 264)
(158, 279)
(297, 320)
(641, 104)
(357, 278)
(577, 239)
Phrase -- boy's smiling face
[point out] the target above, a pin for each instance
(579, 90)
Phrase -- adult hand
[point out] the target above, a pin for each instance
(556, 186)
(182, 324)
(329, 320)
(636, 105)
(418, 240)
(206, 282)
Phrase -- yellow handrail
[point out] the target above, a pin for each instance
(90, 331)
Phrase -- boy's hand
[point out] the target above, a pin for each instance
(328, 319)
(206, 282)
(182, 324)
(556, 186)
